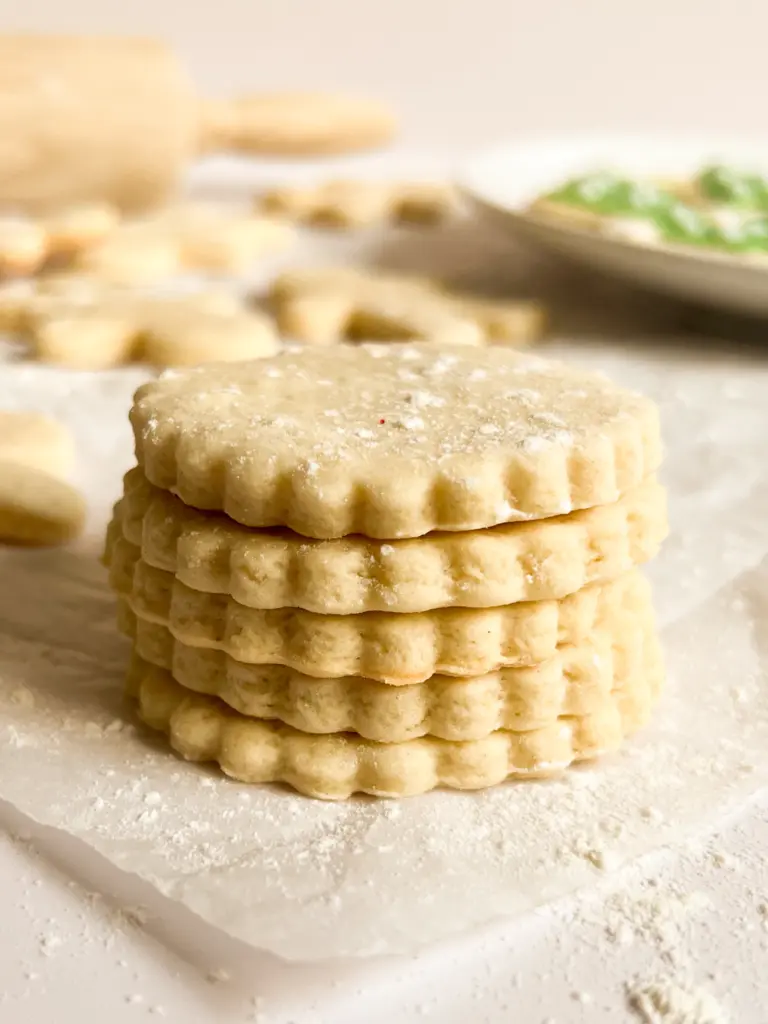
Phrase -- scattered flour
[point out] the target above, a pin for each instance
(664, 1001)
(659, 917)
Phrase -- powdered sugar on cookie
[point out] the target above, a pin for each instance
(503, 437)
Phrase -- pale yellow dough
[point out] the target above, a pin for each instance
(333, 767)
(296, 124)
(322, 306)
(275, 568)
(357, 204)
(394, 648)
(189, 236)
(26, 243)
(36, 440)
(578, 679)
(78, 320)
(37, 505)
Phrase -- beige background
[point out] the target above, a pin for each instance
(465, 72)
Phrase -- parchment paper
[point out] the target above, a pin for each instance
(306, 879)
(309, 880)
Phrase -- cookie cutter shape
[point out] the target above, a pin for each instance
(201, 237)
(26, 243)
(396, 649)
(77, 320)
(216, 238)
(323, 306)
(275, 568)
(578, 680)
(334, 767)
(393, 441)
(358, 203)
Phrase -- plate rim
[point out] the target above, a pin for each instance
(469, 182)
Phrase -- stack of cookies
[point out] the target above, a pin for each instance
(388, 568)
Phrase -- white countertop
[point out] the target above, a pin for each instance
(69, 955)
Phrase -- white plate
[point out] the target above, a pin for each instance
(502, 182)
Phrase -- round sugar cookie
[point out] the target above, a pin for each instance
(578, 679)
(275, 568)
(334, 766)
(393, 440)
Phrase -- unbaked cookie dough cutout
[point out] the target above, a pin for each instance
(189, 236)
(352, 204)
(27, 243)
(38, 507)
(322, 306)
(78, 320)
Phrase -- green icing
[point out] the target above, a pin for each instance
(751, 237)
(728, 187)
(683, 224)
(610, 195)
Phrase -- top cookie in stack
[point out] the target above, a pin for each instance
(419, 563)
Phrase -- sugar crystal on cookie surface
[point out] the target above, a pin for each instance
(393, 421)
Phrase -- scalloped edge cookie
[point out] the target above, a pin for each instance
(576, 681)
(535, 561)
(336, 766)
(393, 441)
(391, 648)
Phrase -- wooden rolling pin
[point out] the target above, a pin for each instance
(118, 120)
